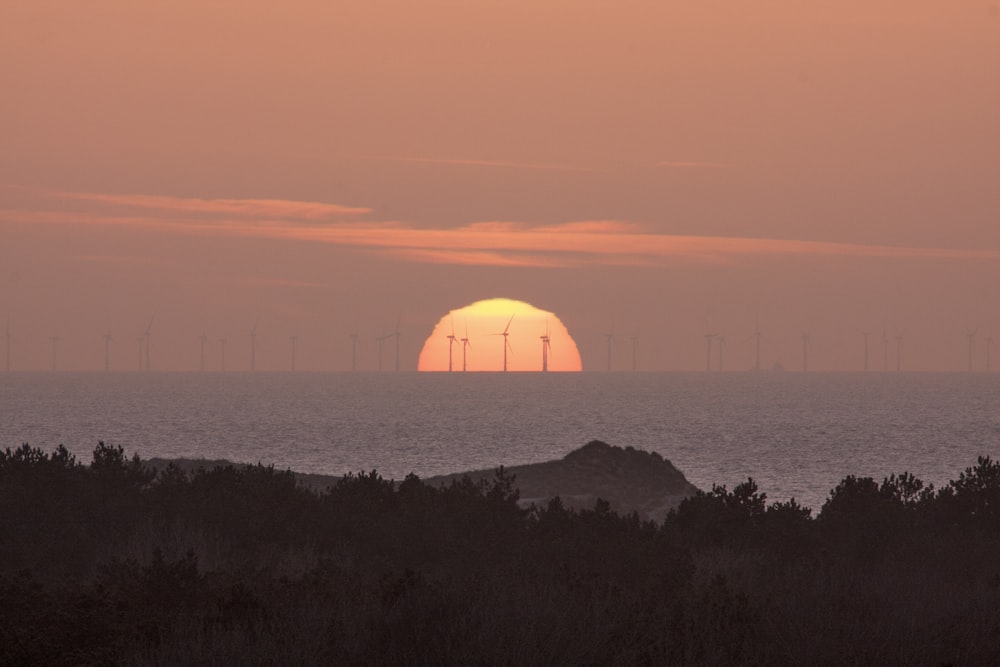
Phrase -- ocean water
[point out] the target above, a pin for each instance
(796, 434)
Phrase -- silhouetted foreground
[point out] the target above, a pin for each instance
(113, 563)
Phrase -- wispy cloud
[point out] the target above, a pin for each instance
(690, 164)
(486, 243)
(124, 259)
(465, 162)
(241, 208)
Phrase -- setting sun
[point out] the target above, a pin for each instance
(473, 338)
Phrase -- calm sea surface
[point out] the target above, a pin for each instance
(797, 434)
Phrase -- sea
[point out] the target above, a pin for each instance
(796, 434)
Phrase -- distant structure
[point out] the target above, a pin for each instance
(354, 350)
(635, 355)
(709, 337)
(55, 343)
(971, 335)
(107, 352)
(756, 334)
(989, 343)
(201, 358)
(546, 346)
(885, 351)
(149, 337)
(7, 344)
(395, 334)
(805, 352)
(722, 346)
(611, 342)
(381, 344)
(899, 352)
(466, 343)
(253, 347)
(141, 340)
(222, 345)
(506, 343)
(866, 334)
(451, 343)
(295, 345)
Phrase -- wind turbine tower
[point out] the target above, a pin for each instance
(546, 346)
(611, 342)
(885, 351)
(506, 344)
(253, 347)
(989, 342)
(55, 342)
(149, 336)
(203, 338)
(141, 341)
(805, 352)
(295, 344)
(107, 351)
(971, 335)
(451, 343)
(395, 334)
(7, 341)
(866, 334)
(635, 353)
(465, 345)
(222, 345)
(708, 350)
(381, 344)
(756, 334)
(354, 351)
(899, 352)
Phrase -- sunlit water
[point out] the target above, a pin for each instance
(796, 434)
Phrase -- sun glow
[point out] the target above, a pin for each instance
(489, 334)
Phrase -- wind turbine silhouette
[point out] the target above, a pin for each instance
(451, 343)
(203, 338)
(354, 350)
(611, 342)
(381, 344)
(989, 342)
(866, 334)
(506, 344)
(395, 334)
(107, 351)
(295, 344)
(755, 334)
(222, 344)
(253, 346)
(149, 336)
(546, 346)
(55, 341)
(708, 350)
(635, 348)
(885, 351)
(722, 346)
(805, 352)
(141, 341)
(971, 334)
(7, 340)
(899, 351)
(466, 343)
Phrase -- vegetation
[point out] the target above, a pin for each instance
(114, 563)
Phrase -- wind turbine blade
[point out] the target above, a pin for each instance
(508, 323)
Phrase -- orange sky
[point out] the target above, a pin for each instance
(666, 169)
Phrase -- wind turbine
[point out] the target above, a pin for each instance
(611, 342)
(805, 352)
(756, 335)
(885, 351)
(253, 346)
(866, 334)
(546, 346)
(148, 336)
(989, 342)
(506, 344)
(55, 341)
(107, 351)
(466, 343)
(381, 343)
(722, 346)
(222, 344)
(7, 339)
(141, 341)
(899, 352)
(394, 334)
(708, 350)
(971, 336)
(295, 344)
(203, 338)
(451, 343)
(354, 350)
(635, 348)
